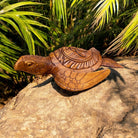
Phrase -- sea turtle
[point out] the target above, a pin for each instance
(73, 68)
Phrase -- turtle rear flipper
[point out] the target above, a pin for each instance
(78, 81)
(110, 63)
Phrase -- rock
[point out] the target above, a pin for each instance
(108, 110)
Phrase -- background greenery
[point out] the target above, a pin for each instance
(41, 26)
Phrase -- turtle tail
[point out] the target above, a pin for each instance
(107, 62)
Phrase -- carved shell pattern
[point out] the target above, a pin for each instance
(77, 58)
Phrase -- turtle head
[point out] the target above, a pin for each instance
(36, 65)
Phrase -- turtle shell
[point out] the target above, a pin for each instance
(77, 58)
(73, 68)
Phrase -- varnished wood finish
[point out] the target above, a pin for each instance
(78, 81)
(36, 65)
(78, 58)
(73, 68)
(110, 63)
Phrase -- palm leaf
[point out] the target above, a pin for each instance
(126, 3)
(2, 2)
(16, 5)
(12, 23)
(7, 42)
(37, 32)
(105, 9)
(59, 11)
(125, 39)
(6, 67)
(26, 35)
(75, 1)
(8, 49)
(17, 23)
(35, 23)
(22, 13)
(6, 76)
(39, 36)
(22, 25)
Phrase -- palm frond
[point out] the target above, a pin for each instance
(6, 21)
(25, 33)
(3, 2)
(6, 67)
(21, 23)
(39, 35)
(126, 2)
(105, 9)
(22, 13)
(16, 5)
(59, 11)
(75, 1)
(7, 42)
(36, 23)
(123, 42)
(3, 75)
(8, 54)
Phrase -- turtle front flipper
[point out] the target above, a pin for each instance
(78, 81)
(110, 63)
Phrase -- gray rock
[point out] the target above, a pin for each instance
(108, 110)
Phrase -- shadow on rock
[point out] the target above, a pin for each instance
(65, 92)
(57, 88)
(114, 75)
(44, 83)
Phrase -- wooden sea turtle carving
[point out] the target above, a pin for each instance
(73, 69)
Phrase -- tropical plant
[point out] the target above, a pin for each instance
(104, 12)
(127, 40)
(20, 33)
(59, 11)
(77, 32)
(23, 25)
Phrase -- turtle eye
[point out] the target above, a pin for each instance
(29, 63)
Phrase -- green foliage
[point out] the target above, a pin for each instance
(8, 53)
(105, 9)
(20, 33)
(23, 25)
(59, 11)
(105, 19)
(104, 13)
(78, 32)
(124, 42)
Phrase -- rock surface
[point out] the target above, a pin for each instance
(108, 110)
